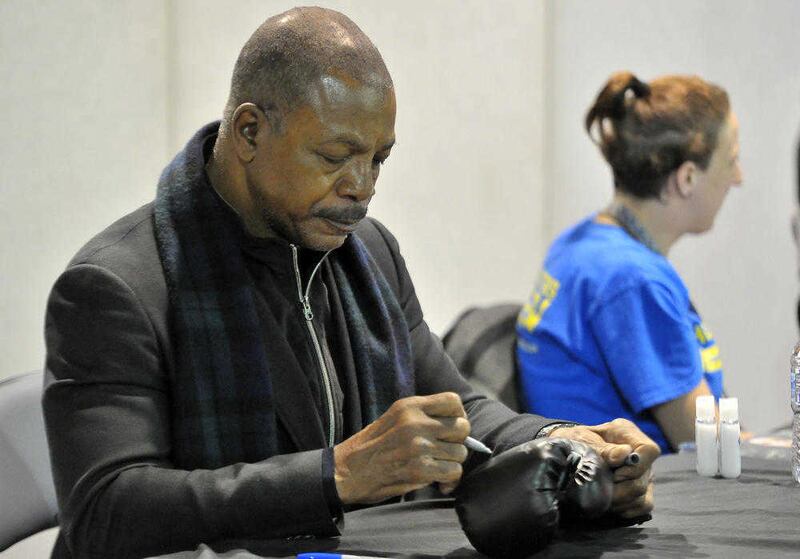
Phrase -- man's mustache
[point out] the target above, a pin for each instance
(350, 214)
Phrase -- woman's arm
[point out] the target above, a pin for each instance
(676, 417)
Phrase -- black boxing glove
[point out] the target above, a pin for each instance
(588, 483)
(509, 506)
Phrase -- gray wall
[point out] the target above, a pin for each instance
(98, 96)
(82, 113)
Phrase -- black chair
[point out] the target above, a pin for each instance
(482, 344)
(27, 495)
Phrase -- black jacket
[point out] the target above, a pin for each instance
(107, 412)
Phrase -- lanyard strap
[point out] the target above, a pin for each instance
(627, 220)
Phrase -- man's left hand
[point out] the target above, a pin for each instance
(614, 441)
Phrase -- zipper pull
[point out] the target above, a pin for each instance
(307, 312)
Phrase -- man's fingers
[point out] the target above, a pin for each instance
(424, 459)
(451, 452)
(424, 448)
(612, 452)
(439, 415)
(629, 491)
(448, 472)
(648, 451)
(418, 441)
(623, 473)
(428, 470)
(452, 429)
(444, 404)
(615, 454)
(637, 507)
(447, 488)
(624, 432)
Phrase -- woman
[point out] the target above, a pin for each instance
(609, 330)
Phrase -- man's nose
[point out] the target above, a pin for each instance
(358, 183)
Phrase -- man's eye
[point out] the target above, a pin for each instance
(332, 159)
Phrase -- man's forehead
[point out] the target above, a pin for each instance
(340, 109)
(338, 89)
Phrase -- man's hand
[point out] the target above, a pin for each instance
(418, 441)
(633, 485)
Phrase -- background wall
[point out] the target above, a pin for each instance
(83, 106)
(98, 97)
(491, 160)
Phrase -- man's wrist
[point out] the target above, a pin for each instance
(548, 429)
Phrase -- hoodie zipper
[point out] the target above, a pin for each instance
(309, 316)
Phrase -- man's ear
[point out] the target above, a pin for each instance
(685, 179)
(247, 122)
(251, 125)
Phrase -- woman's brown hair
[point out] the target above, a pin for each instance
(647, 130)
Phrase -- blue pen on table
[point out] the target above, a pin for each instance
(476, 445)
(333, 556)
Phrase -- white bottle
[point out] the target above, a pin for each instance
(794, 381)
(705, 436)
(730, 456)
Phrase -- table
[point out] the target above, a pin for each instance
(757, 515)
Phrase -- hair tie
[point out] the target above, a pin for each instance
(639, 88)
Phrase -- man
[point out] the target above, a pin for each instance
(245, 356)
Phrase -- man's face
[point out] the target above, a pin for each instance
(312, 180)
(723, 171)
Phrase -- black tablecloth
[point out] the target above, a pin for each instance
(757, 515)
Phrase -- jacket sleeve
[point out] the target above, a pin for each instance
(106, 405)
(492, 422)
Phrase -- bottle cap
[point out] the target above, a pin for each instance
(729, 409)
(704, 407)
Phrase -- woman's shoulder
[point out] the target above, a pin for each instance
(610, 259)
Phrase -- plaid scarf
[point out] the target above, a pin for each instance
(222, 400)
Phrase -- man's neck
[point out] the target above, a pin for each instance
(217, 182)
(230, 186)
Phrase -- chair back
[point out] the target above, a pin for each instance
(27, 495)
(482, 344)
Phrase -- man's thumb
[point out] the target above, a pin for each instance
(615, 454)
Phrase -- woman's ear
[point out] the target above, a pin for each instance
(685, 179)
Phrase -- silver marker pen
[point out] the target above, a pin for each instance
(476, 445)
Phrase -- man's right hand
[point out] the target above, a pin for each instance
(418, 441)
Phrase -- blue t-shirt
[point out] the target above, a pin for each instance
(609, 331)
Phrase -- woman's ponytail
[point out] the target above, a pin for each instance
(612, 100)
